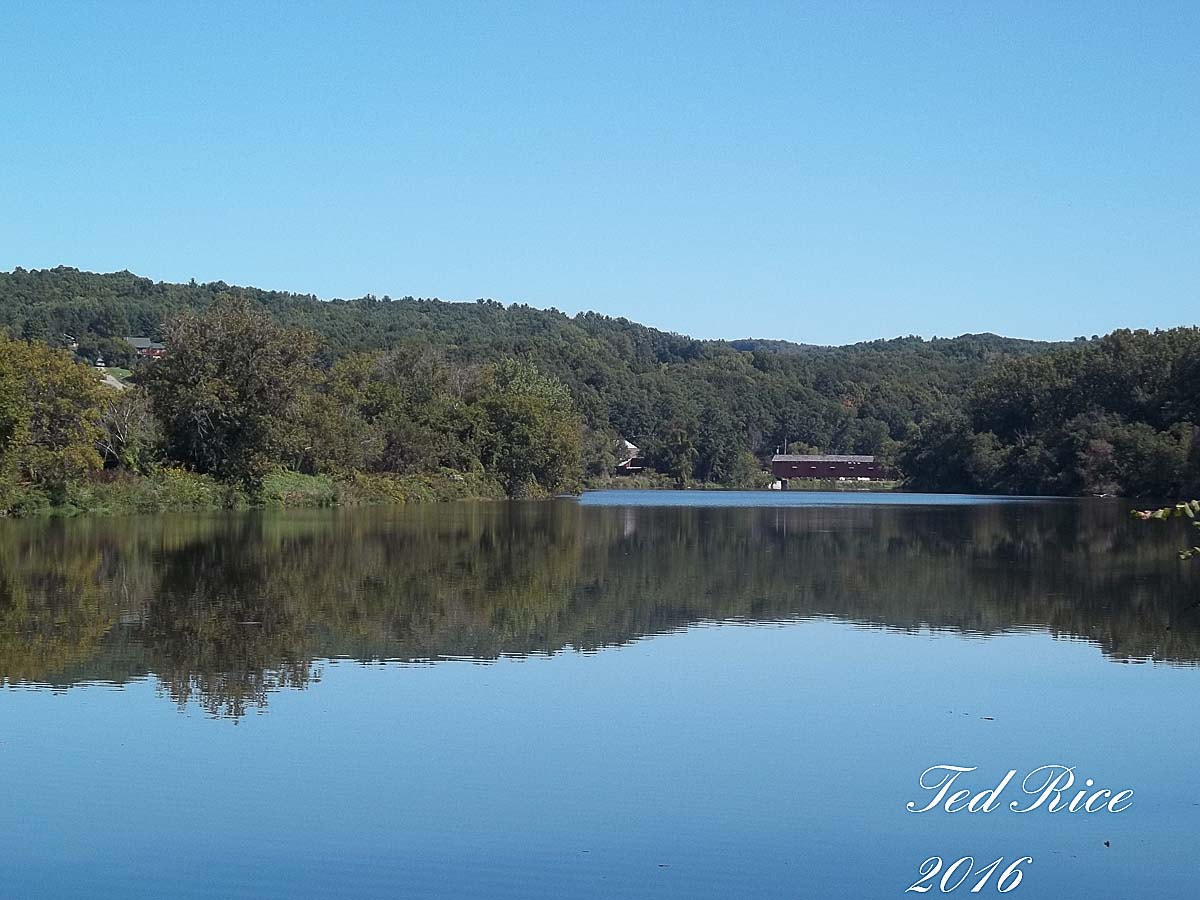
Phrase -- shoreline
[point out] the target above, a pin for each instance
(178, 490)
(172, 490)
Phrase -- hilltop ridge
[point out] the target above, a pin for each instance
(977, 412)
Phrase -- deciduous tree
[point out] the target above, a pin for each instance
(228, 391)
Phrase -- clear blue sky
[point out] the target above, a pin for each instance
(817, 172)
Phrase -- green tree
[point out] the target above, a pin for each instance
(719, 447)
(532, 434)
(939, 456)
(14, 419)
(600, 452)
(673, 449)
(49, 416)
(229, 391)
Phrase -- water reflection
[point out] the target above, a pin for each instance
(223, 610)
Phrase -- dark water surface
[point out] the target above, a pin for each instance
(731, 696)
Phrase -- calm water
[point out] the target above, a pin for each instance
(731, 696)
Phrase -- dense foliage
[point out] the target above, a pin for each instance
(230, 392)
(49, 418)
(703, 410)
(239, 397)
(1112, 416)
(408, 386)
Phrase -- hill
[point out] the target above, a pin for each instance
(697, 404)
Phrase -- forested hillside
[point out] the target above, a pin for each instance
(1113, 416)
(703, 410)
(537, 397)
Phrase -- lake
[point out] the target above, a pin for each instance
(636, 694)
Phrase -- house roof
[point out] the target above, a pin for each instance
(143, 343)
(819, 457)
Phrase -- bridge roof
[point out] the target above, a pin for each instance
(820, 457)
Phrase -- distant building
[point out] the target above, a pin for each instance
(816, 465)
(629, 458)
(627, 449)
(144, 347)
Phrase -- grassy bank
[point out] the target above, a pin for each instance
(653, 481)
(176, 490)
(656, 481)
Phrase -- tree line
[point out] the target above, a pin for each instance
(704, 411)
(1116, 415)
(539, 399)
(238, 396)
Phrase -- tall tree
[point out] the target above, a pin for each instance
(532, 433)
(228, 392)
(49, 415)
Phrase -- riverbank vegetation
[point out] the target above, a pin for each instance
(477, 397)
(239, 413)
(1112, 416)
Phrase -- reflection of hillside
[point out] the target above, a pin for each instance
(226, 609)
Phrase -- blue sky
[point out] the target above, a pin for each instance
(816, 172)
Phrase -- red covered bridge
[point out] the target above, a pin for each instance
(813, 465)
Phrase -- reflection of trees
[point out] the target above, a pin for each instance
(221, 627)
(225, 609)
